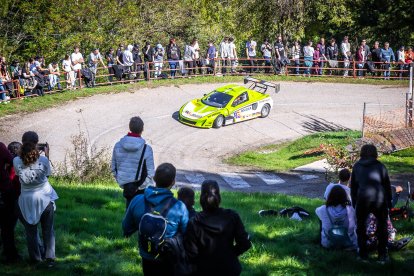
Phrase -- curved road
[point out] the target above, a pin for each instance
(299, 108)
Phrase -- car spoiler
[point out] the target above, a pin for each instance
(261, 85)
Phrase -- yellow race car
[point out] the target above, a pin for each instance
(229, 104)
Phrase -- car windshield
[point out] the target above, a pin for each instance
(217, 99)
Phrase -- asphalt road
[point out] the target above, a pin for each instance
(300, 108)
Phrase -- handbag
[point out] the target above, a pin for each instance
(131, 189)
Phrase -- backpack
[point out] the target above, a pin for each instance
(152, 228)
(174, 52)
(338, 234)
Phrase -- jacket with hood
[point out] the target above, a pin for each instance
(125, 159)
(370, 183)
(177, 216)
(127, 56)
(338, 213)
(214, 240)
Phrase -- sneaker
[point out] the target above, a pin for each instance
(264, 213)
(383, 259)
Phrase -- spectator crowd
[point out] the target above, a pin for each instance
(173, 238)
(132, 62)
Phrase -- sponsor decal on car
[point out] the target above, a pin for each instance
(192, 114)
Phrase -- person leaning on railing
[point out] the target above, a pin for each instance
(77, 60)
(332, 55)
(295, 55)
(387, 56)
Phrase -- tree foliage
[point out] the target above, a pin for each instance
(52, 28)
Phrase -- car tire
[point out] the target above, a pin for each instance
(265, 111)
(218, 122)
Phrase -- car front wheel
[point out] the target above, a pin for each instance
(265, 111)
(218, 122)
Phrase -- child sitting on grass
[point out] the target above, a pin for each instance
(186, 195)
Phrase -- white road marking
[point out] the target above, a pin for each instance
(270, 178)
(234, 180)
(195, 179)
(308, 176)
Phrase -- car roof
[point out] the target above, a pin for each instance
(232, 89)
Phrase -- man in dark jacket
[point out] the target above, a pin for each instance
(371, 193)
(376, 56)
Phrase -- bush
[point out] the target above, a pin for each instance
(84, 163)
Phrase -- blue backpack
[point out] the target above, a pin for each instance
(338, 234)
(152, 228)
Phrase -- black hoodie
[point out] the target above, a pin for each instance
(370, 183)
(214, 240)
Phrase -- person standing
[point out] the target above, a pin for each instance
(189, 55)
(322, 51)
(308, 52)
(8, 200)
(360, 59)
(251, 54)
(401, 61)
(345, 48)
(224, 54)
(111, 61)
(376, 57)
(132, 162)
(266, 49)
(77, 60)
(232, 55)
(174, 56)
(371, 193)
(128, 60)
(332, 55)
(148, 53)
(94, 58)
(279, 55)
(69, 72)
(387, 56)
(211, 57)
(295, 54)
(158, 60)
(215, 237)
(158, 199)
(120, 54)
(37, 199)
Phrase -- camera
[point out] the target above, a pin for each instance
(42, 146)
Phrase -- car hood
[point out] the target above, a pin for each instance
(196, 110)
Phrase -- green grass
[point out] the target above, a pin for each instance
(89, 238)
(292, 154)
(40, 103)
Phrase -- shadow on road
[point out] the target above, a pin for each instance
(316, 124)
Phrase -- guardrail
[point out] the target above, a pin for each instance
(148, 71)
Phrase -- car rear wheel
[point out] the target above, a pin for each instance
(218, 122)
(265, 111)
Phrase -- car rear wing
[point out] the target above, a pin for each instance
(261, 85)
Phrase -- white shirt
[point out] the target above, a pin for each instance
(251, 48)
(232, 48)
(196, 50)
(75, 57)
(308, 51)
(66, 65)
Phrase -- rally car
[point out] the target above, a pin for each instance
(229, 104)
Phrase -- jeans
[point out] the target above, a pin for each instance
(189, 65)
(363, 209)
(321, 64)
(387, 71)
(346, 66)
(268, 64)
(158, 68)
(36, 251)
(360, 67)
(53, 81)
(173, 67)
(308, 64)
(297, 64)
(111, 72)
(252, 61)
(2, 95)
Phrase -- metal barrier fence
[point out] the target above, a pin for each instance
(218, 67)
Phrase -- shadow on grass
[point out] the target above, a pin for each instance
(89, 238)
